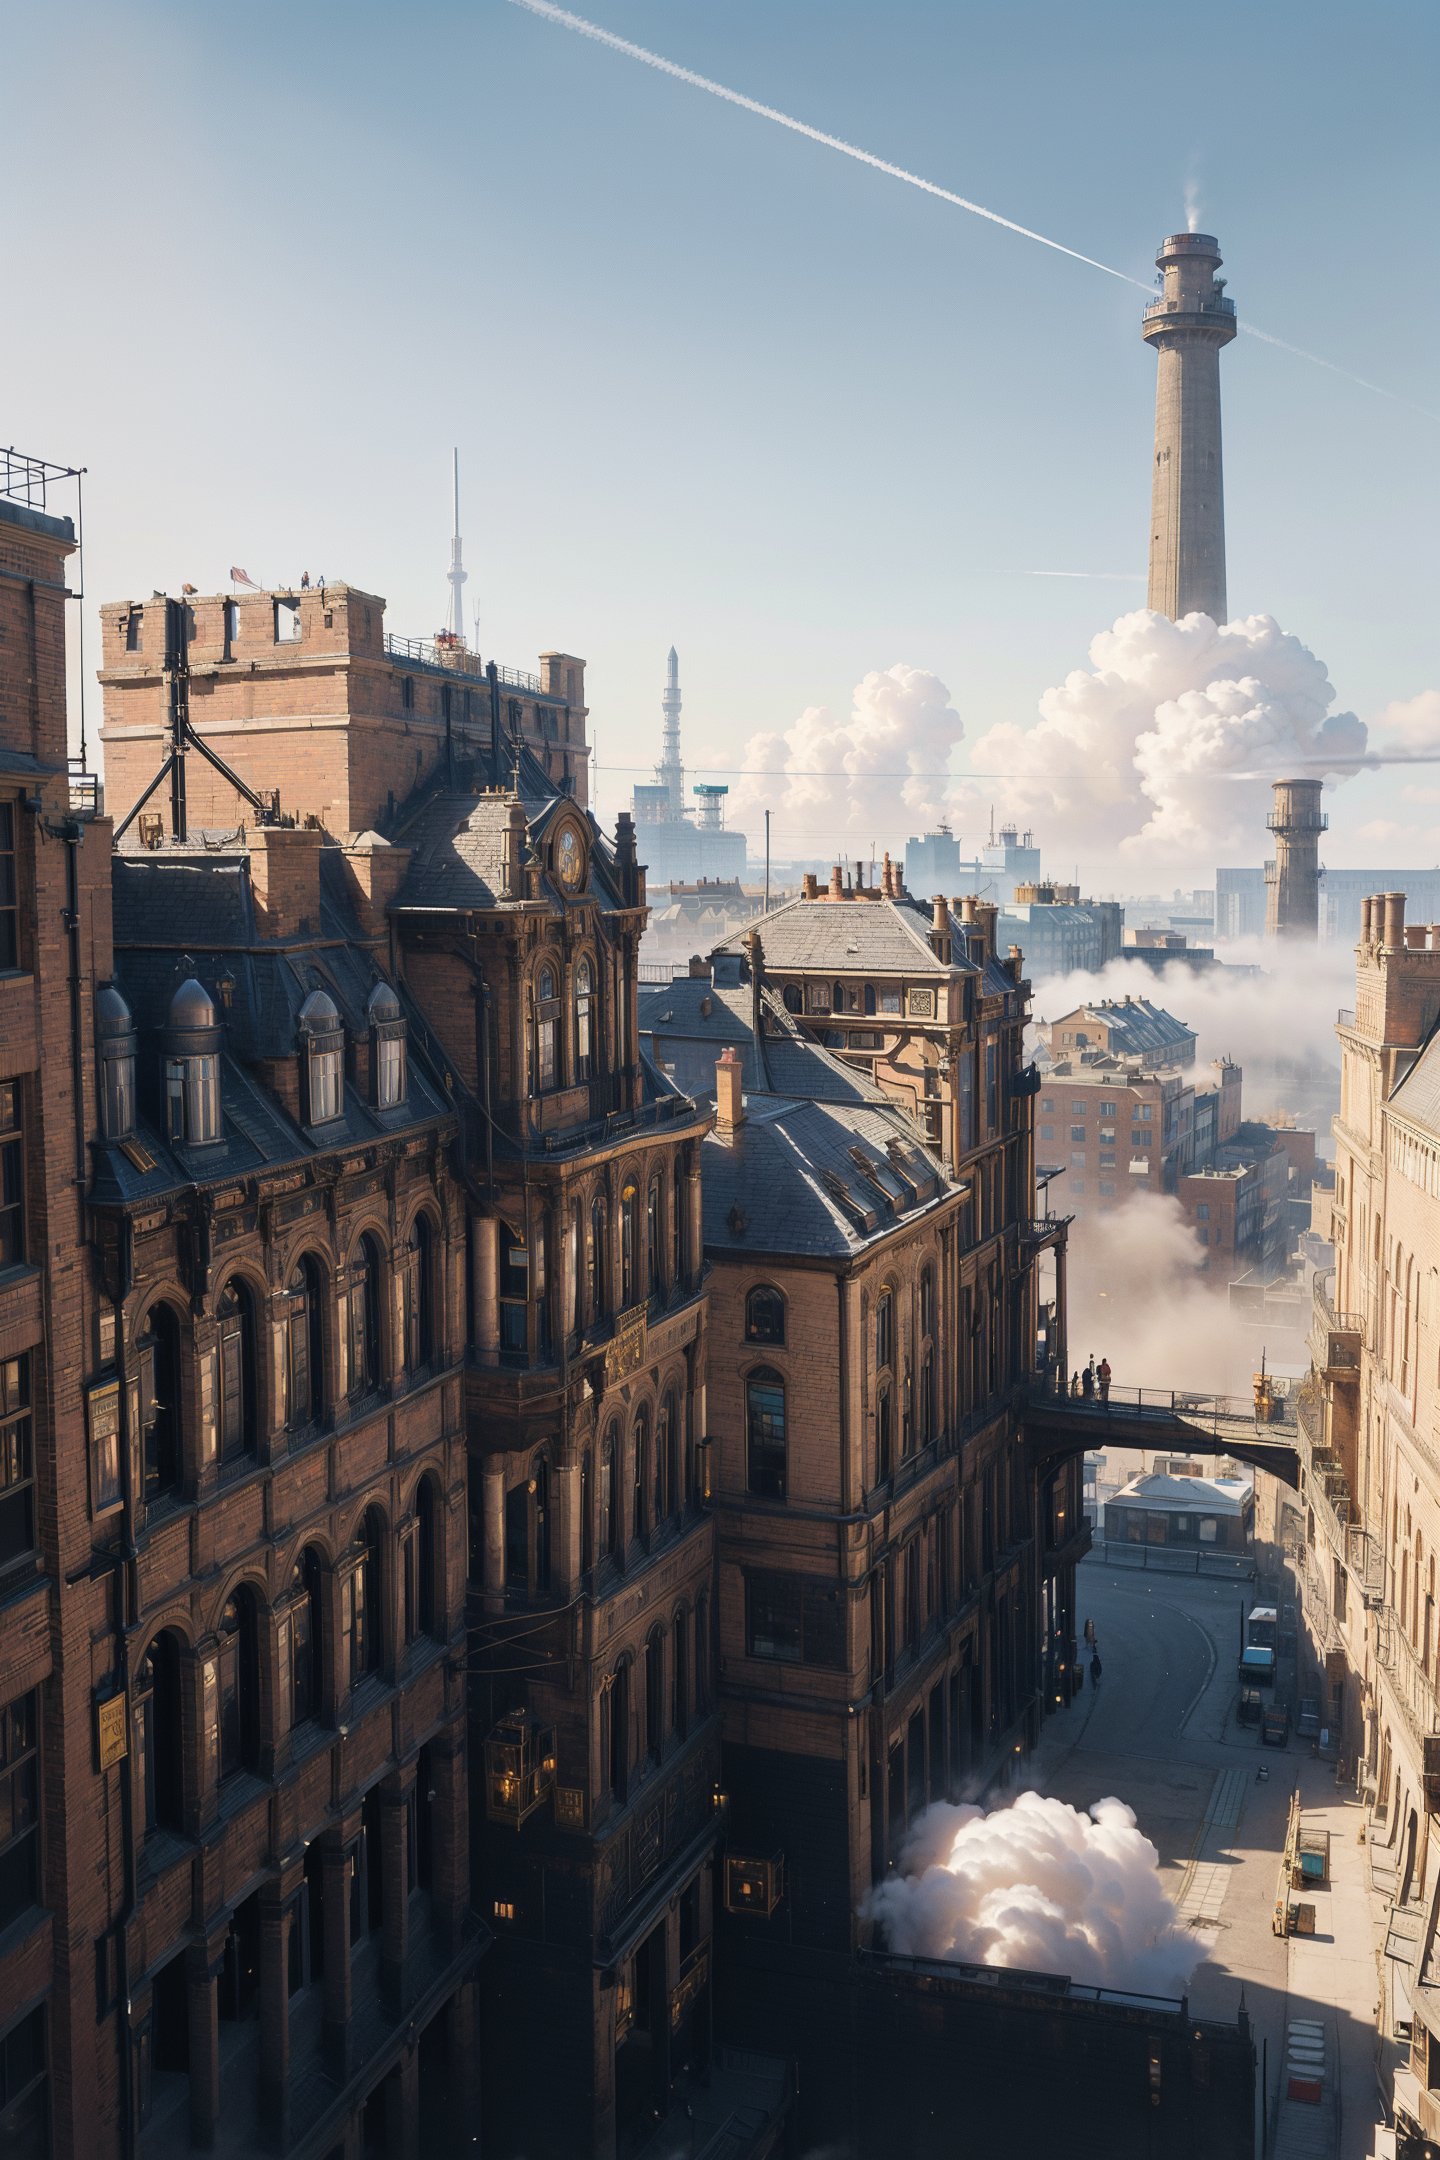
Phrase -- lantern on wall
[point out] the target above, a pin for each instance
(519, 1767)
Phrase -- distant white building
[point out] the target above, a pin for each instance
(1214, 1514)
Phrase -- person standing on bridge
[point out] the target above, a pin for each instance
(1102, 1375)
(1075, 1384)
(1087, 1381)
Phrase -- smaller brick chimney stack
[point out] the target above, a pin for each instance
(515, 852)
(811, 886)
(729, 1097)
(940, 928)
(837, 884)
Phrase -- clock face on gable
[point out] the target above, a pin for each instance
(569, 858)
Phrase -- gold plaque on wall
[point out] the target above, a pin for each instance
(112, 1730)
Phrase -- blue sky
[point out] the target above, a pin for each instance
(712, 383)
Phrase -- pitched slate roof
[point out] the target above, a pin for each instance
(691, 1020)
(1137, 1027)
(458, 840)
(850, 936)
(814, 1179)
(1417, 1098)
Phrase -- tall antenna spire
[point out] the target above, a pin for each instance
(670, 772)
(457, 569)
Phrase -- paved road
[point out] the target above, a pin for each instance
(1160, 1732)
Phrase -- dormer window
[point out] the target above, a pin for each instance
(322, 1041)
(192, 1067)
(388, 1060)
(115, 1039)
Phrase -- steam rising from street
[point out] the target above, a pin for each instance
(1037, 1886)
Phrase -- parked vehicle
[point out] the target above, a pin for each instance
(1275, 1727)
(1307, 1725)
(1252, 1707)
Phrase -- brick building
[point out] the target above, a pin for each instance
(896, 1589)
(1127, 1027)
(317, 708)
(1365, 1537)
(57, 1616)
(1116, 1126)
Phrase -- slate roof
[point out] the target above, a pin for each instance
(175, 916)
(890, 937)
(690, 1038)
(1158, 1488)
(1417, 1098)
(458, 840)
(1137, 1027)
(814, 1179)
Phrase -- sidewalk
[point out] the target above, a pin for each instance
(1332, 1981)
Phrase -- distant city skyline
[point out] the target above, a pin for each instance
(713, 385)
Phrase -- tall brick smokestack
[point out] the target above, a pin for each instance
(1187, 324)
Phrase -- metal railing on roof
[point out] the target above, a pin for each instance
(1218, 305)
(27, 479)
(450, 657)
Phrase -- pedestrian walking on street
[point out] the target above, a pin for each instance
(1095, 1670)
(1103, 1376)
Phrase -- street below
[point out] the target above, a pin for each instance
(1160, 1732)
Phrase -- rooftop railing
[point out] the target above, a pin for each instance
(450, 657)
(1219, 305)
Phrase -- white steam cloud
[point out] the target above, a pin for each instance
(864, 774)
(1192, 206)
(1162, 750)
(1277, 1023)
(1158, 755)
(1041, 1887)
(1137, 1294)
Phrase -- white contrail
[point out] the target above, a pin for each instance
(548, 12)
(1109, 577)
(567, 21)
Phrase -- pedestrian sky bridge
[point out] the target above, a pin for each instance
(1178, 1421)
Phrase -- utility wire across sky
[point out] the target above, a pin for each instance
(582, 27)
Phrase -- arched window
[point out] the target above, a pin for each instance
(884, 1431)
(237, 1390)
(837, 1001)
(791, 995)
(655, 1693)
(430, 1599)
(575, 1261)
(640, 1484)
(366, 1361)
(159, 1748)
(584, 1020)
(158, 1355)
(655, 1240)
(390, 1077)
(238, 1661)
(629, 1239)
(420, 1295)
(514, 1293)
(667, 1462)
(362, 1612)
(301, 1368)
(869, 1001)
(927, 1301)
(192, 1066)
(322, 1042)
(615, 1731)
(764, 1315)
(527, 1531)
(587, 1520)
(885, 1330)
(306, 1636)
(608, 1513)
(543, 1069)
(115, 1040)
(680, 1673)
(702, 1651)
(765, 1454)
(595, 1262)
(927, 1399)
